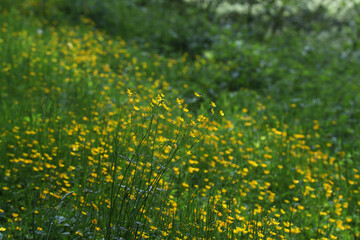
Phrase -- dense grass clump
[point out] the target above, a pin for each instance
(100, 139)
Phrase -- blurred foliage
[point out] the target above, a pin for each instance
(166, 26)
(298, 51)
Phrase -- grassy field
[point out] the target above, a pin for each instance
(101, 139)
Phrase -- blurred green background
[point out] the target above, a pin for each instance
(294, 52)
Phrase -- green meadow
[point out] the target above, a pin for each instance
(161, 120)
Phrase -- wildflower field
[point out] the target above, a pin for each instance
(101, 139)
